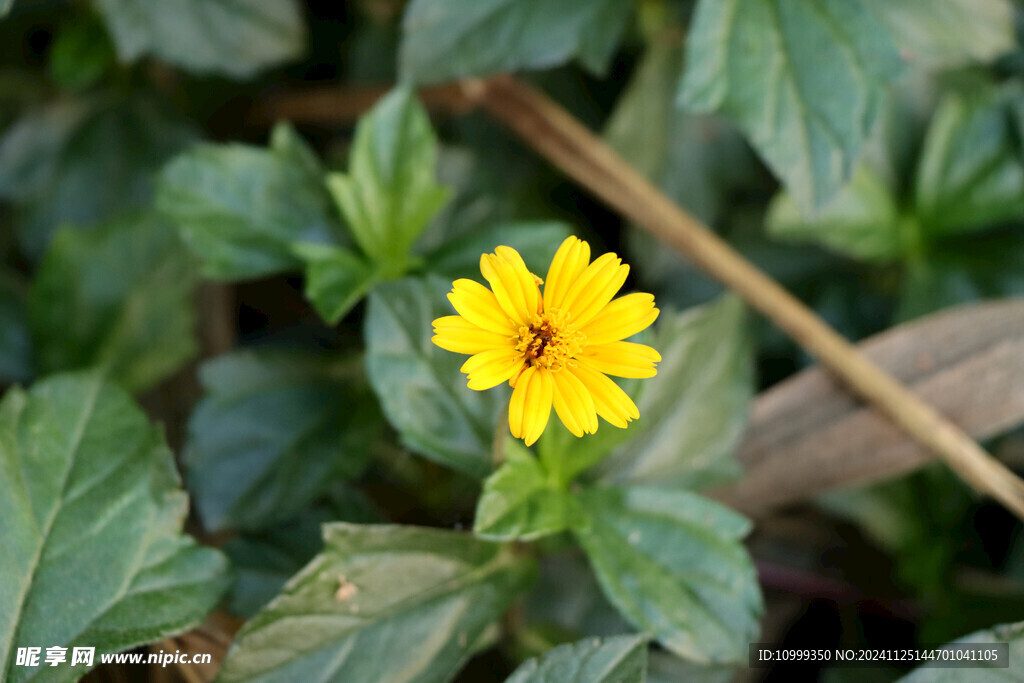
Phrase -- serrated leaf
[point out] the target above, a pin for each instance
(85, 162)
(804, 79)
(692, 413)
(336, 279)
(237, 38)
(92, 511)
(118, 296)
(622, 659)
(275, 430)
(521, 501)
(419, 385)
(862, 221)
(241, 208)
(390, 193)
(536, 242)
(980, 671)
(449, 39)
(673, 564)
(948, 33)
(380, 603)
(970, 174)
(264, 561)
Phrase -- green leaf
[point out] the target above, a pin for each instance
(622, 659)
(85, 162)
(390, 192)
(970, 174)
(15, 337)
(81, 53)
(693, 413)
(673, 564)
(336, 279)
(242, 208)
(980, 673)
(804, 79)
(989, 266)
(380, 603)
(275, 430)
(520, 501)
(862, 221)
(450, 39)
(264, 561)
(92, 508)
(536, 242)
(948, 33)
(118, 296)
(5, 7)
(236, 38)
(419, 385)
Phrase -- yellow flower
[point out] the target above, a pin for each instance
(556, 348)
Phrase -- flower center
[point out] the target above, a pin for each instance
(550, 341)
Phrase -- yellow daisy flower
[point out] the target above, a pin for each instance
(555, 348)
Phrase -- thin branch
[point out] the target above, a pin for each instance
(570, 146)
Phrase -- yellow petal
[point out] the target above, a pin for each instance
(455, 333)
(573, 404)
(491, 368)
(595, 287)
(622, 318)
(512, 282)
(477, 304)
(610, 400)
(569, 262)
(622, 359)
(530, 407)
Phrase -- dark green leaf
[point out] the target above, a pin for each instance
(521, 501)
(419, 385)
(81, 53)
(84, 163)
(693, 413)
(264, 561)
(390, 193)
(380, 603)
(803, 78)
(673, 564)
(979, 673)
(970, 174)
(568, 599)
(118, 296)
(622, 659)
(336, 279)
(945, 33)
(236, 38)
(862, 221)
(536, 241)
(449, 39)
(276, 429)
(242, 208)
(989, 266)
(92, 508)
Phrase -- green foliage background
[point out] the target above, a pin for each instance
(220, 391)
